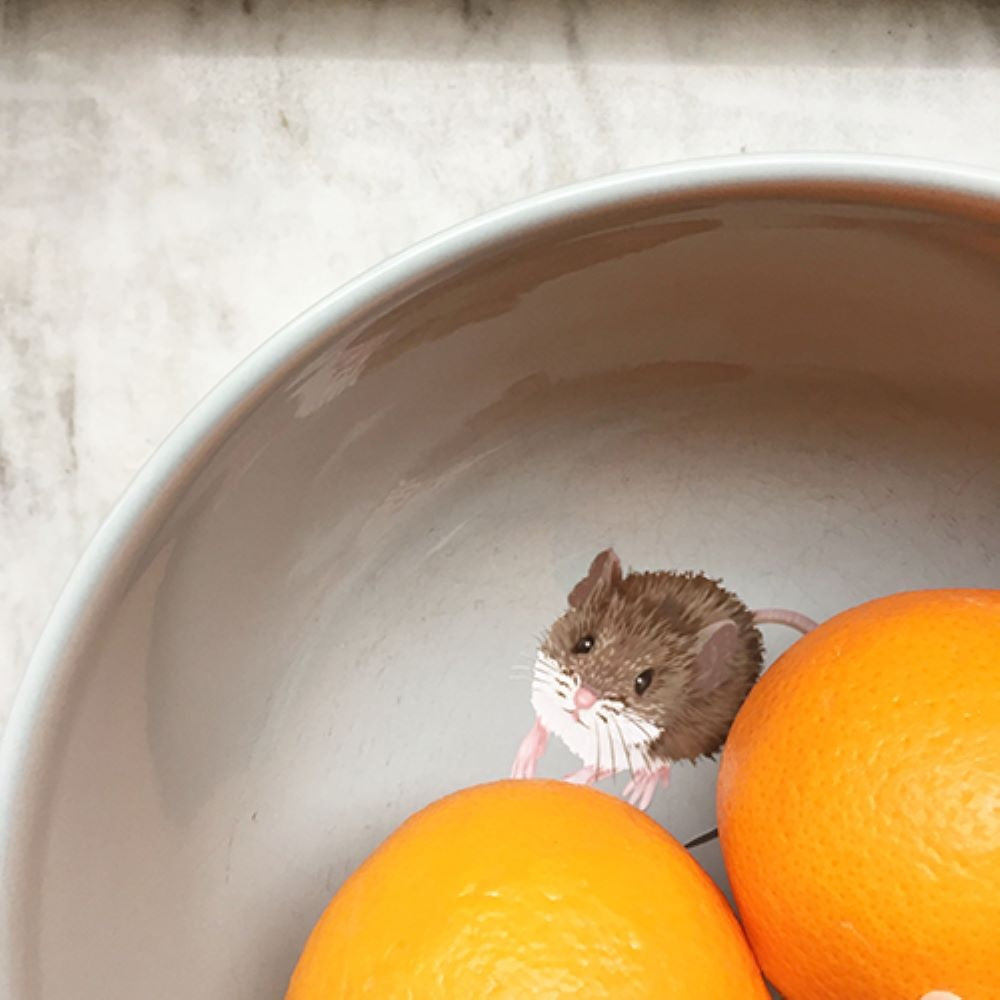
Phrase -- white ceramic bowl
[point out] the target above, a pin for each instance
(299, 624)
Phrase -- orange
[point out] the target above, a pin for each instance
(859, 804)
(525, 889)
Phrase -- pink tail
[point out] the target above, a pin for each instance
(775, 616)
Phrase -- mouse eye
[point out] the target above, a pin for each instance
(584, 645)
(643, 681)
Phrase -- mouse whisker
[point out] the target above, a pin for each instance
(645, 737)
(544, 691)
(646, 729)
(625, 746)
(548, 669)
(639, 748)
(611, 746)
(541, 688)
(643, 748)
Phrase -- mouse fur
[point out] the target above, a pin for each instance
(656, 621)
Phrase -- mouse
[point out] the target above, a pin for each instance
(642, 670)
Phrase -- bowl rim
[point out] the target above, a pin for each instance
(42, 699)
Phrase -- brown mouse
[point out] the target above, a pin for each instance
(642, 670)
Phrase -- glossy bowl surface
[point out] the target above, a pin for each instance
(299, 624)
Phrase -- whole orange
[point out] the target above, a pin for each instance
(859, 804)
(524, 889)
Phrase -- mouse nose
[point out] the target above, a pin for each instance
(584, 697)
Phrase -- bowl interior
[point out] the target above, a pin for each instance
(798, 392)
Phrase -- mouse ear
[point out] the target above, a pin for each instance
(715, 645)
(605, 570)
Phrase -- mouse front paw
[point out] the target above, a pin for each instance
(640, 790)
(530, 751)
